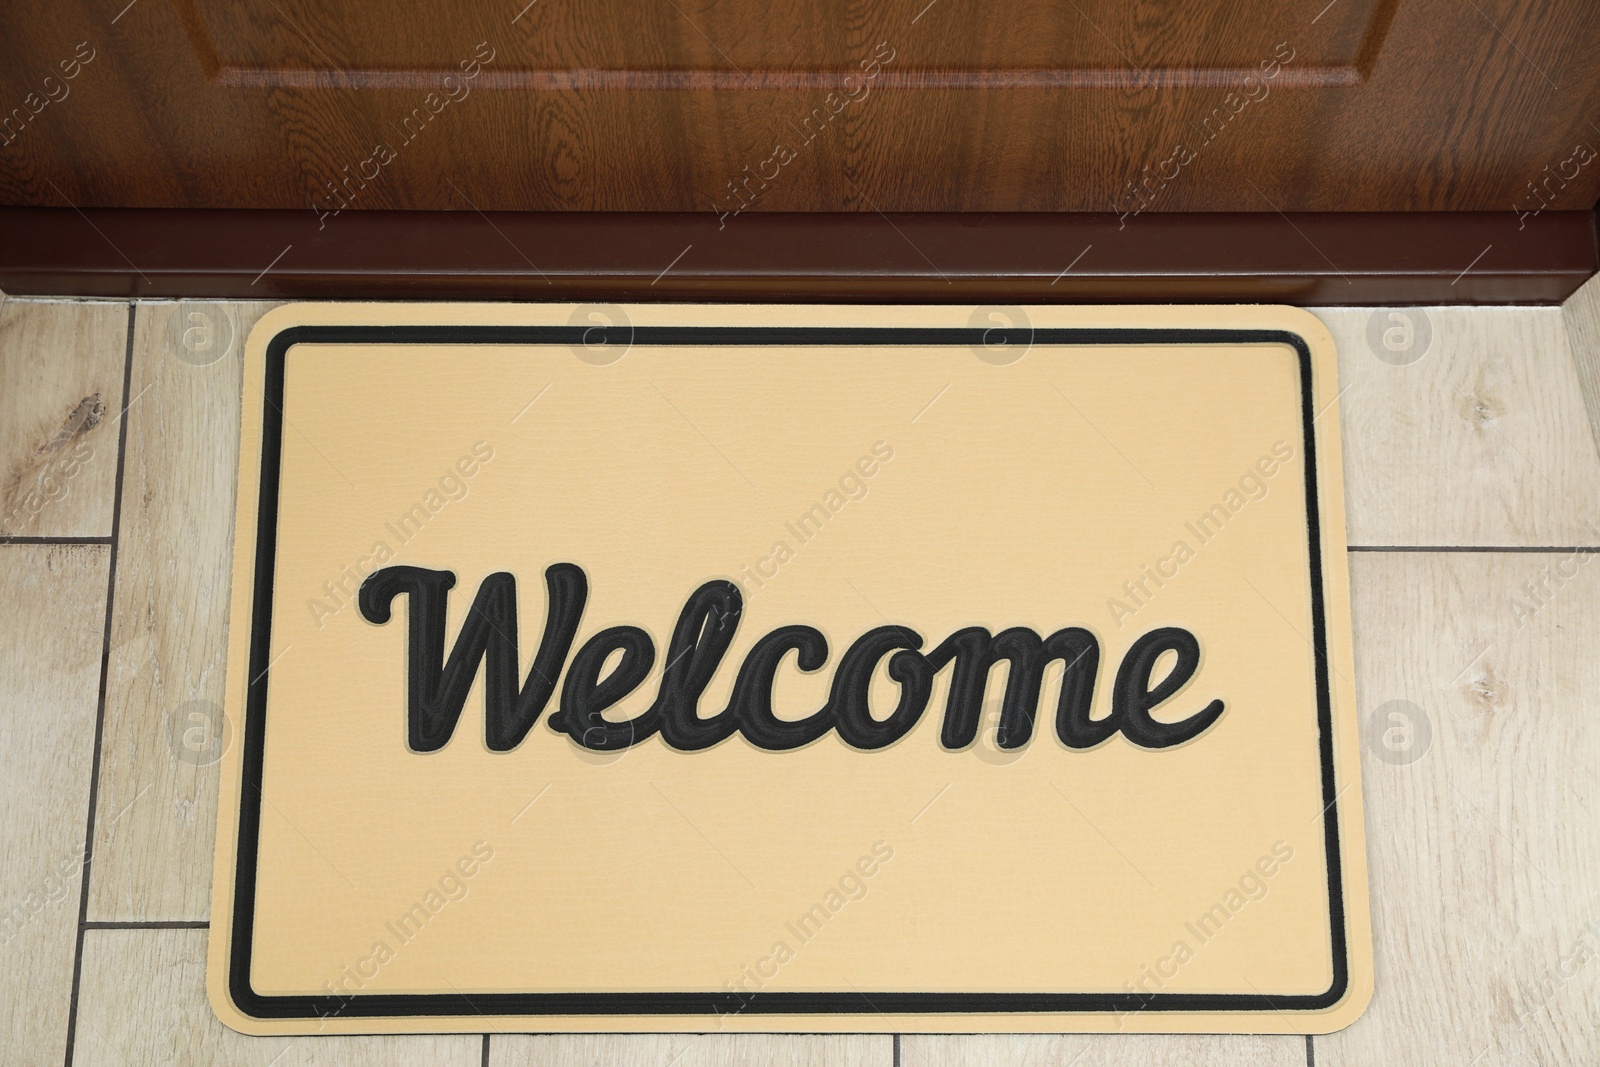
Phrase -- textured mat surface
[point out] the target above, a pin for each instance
(630, 669)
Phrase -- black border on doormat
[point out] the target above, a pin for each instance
(441, 1005)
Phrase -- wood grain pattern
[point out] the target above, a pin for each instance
(1482, 441)
(143, 1001)
(169, 625)
(1399, 105)
(1483, 851)
(1581, 314)
(691, 1050)
(1081, 1050)
(61, 370)
(51, 638)
(658, 46)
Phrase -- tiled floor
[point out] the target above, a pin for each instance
(1472, 477)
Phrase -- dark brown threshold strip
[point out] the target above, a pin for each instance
(1307, 259)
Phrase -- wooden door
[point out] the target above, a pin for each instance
(1129, 106)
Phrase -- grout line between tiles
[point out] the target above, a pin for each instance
(100, 703)
(20, 539)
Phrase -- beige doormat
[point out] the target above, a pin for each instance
(734, 668)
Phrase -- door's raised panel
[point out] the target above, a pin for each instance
(724, 44)
(735, 106)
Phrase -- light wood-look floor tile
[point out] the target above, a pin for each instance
(1581, 314)
(1082, 1050)
(61, 371)
(52, 637)
(1484, 440)
(1483, 831)
(692, 1050)
(170, 617)
(142, 1001)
